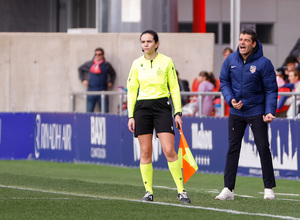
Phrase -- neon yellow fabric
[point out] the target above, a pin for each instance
(152, 80)
(175, 169)
(147, 176)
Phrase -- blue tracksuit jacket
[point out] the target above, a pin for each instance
(253, 82)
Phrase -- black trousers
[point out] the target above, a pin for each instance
(236, 130)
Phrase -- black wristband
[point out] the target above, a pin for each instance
(178, 113)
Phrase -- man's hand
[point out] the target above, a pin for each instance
(268, 118)
(85, 83)
(237, 105)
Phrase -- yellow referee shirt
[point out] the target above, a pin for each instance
(152, 79)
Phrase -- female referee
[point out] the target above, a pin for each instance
(151, 80)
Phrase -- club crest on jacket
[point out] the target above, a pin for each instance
(252, 69)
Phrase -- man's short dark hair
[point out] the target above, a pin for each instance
(99, 49)
(290, 59)
(251, 32)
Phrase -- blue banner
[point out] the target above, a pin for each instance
(54, 136)
(98, 138)
(284, 139)
(105, 139)
(16, 135)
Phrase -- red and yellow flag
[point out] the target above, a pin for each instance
(188, 163)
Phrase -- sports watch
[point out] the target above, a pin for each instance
(178, 113)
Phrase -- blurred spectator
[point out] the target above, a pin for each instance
(290, 64)
(207, 85)
(279, 79)
(195, 86)
(197, 82)
(282, 107)
(294, 78)
(226, 52)
(97, 75)
(184, 86)
(285, 106)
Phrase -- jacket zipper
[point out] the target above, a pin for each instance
(244, 62)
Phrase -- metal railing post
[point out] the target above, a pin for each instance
(200, 105)
(72, 102)
(293, 105)
(222, 106)
(102, 110)
(85, 102)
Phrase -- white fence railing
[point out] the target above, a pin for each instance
(122, 94)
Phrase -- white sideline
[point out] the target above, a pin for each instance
(158, 203)
(283, 194)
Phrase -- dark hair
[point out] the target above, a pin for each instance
(153, 33)
(290, 59)
(209, 76)
(251, 32)
(99, 49)
(203, 73)
(227, 48)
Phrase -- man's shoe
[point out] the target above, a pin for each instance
(226, 194)
(269, 194)
(148, 197)
(183, 197)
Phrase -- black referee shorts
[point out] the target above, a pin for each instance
(154, 113)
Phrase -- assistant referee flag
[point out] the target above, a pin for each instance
(188, 163)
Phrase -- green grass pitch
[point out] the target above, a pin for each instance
(51, 190)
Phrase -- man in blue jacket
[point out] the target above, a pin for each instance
(248, 84)
(97, 75)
